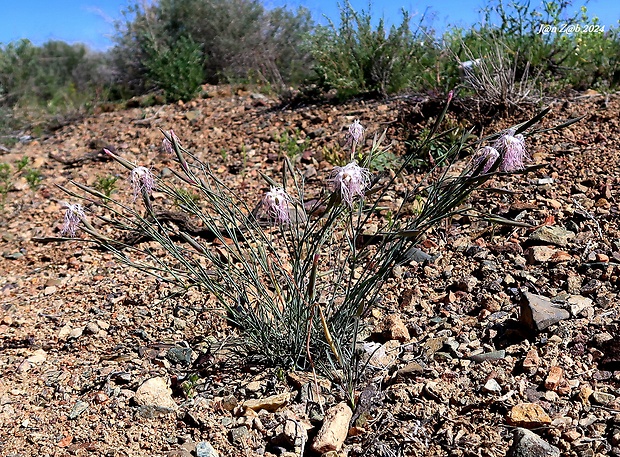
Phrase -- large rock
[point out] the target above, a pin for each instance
(552, 235)
(538, 312)
(155, 393)
(528, 415)
(334, 430)
(395, 329)
(272, 403)
(528, 444)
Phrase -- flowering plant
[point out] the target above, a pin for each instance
(299, 288)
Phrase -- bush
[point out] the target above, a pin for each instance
(48, 84)
(538, 40)
(177, 69)
(240, 40)
(355, 58)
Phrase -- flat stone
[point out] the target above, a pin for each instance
(272, 403)
(492, 386)
(204, 449)
(301, 378)
(602, 258)
(603, 398)
(91, 328)
(528, 415)
(416, 255)
(493, 355)
(180, 355)
(558, 236)
(76, 332)
(291, 431)
(39, 356)
(334, 429)
(238, 434)
(49, 290)
(540, 254)
(571, 435)
(433, 345)
(531, 360)
(254, 386)
(155, 393)
(192, 115)
(410, 369)
(578, 303)
(382, 355)
(78, 408)
(528, 444)
(538, 312)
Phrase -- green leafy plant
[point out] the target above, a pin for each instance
(428, 154)
(22, 163)
(176, 68)
(5, 182)
(355, 58)
(33, 178)
(106, 185)
(241, 40)
(189, 385)
(185, 197)
(292, 144)
(520, 43)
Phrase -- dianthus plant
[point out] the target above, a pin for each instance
(295, 269)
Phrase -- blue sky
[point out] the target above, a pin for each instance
(91, 21)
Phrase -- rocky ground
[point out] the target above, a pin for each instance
(504, 340)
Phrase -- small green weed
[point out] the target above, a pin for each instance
(33, 178)
(384, 160)
(189, 385)
(5, 183)
(106, 185)
(428, 154)
(186, 198)
(22, 163)
(292, 144)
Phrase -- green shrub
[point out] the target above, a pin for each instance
(45, 85)
(241, 41)
(5, 183)
(536, 39)
(176, 69)
(355, 58)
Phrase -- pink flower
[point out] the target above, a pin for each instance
(167, 145)
(355, 134)
(351, 181)
(142, 182)
(276, 204)
(487, 156)
(73, 216)
(512, 149)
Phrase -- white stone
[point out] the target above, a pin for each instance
(156, 393)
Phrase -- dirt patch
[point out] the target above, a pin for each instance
(80, 334)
